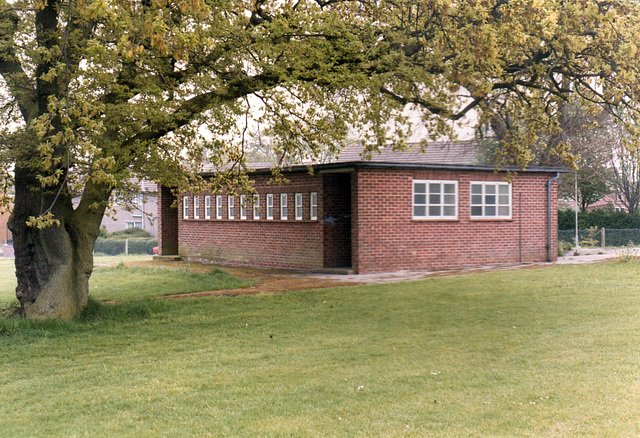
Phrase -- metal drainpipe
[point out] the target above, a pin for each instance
(555, 178)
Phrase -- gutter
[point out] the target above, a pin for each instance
(555, 178)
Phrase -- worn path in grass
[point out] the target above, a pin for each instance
(279, 281)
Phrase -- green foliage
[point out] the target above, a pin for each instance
(600, 218)
(130, 232)
(563, 247)
(112, 246)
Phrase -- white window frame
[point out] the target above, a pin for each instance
(484, 205)
(269, 206)
(441, 204)
(231, 212)
(185, 207)
(243, 207)
(298, 208)
(207, 207)
(284, 209)
(256, 206)
(313, 206)
(219, 207)
(196, 207)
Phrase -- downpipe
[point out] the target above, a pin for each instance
(555, 178)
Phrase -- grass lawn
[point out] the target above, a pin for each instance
(121, 282)
(530, 353)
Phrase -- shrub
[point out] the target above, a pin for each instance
(563, 247)
(129, 232)
(117, 246)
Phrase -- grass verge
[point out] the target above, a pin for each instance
(547, 352)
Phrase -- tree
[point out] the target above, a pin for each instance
(99, 91)
(625, 177)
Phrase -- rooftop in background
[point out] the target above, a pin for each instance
(459, 155)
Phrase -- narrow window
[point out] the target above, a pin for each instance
(435, 199)
(298, 206)
(219, 207)
(185, 207)
(283, 206)
(491, 200)
(269, 206)
(313, 205)
(231, 209)
(196, 207)
(256, 206)
(207, 207)
(243, 207)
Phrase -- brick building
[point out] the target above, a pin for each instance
(393, 211)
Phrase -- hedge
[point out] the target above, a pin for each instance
(116, 246)
(600, 218)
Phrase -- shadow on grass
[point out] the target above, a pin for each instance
(96, 314)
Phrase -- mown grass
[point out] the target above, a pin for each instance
(546, 352)
(122, 282)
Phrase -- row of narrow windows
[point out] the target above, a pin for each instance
(252, 204)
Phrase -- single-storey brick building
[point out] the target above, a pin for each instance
(404, 210)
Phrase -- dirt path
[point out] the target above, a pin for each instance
(282, 281)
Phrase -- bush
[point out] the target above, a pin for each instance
(563, 247)
(128, 233)
(601, 218)
(117, 246)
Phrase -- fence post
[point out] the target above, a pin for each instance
(603, 235)
(126, 246)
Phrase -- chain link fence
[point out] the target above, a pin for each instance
(603, 237)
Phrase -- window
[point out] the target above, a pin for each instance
(207, 207)
(185, 207)
(283, 206)
(298, 206)
(269, 206)
(219, 207)
(313, 205)
(134, 225)
(256, 206)
(196, 207)
(243, 207)
(230, 206)
(435, 199)
(491, 200)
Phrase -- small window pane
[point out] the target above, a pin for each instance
(449, 188)
(476, 211)
(419, 211)
(420, 188)
(434, 199)
(503, 199)
(476, 189)
(490, 189)
(449, 199)
(419, 199)
(503, 189)
(434, 188)
(503, 211)
(489, 210)
(434, 211)
(476, 199)
(490, 199)
(449, 211)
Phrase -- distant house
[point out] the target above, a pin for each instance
(608, 202)
(141, 214)
(395, 211)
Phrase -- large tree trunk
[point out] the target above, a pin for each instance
(54, 263)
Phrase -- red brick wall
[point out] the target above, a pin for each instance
(386, 238)
(293, 244)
